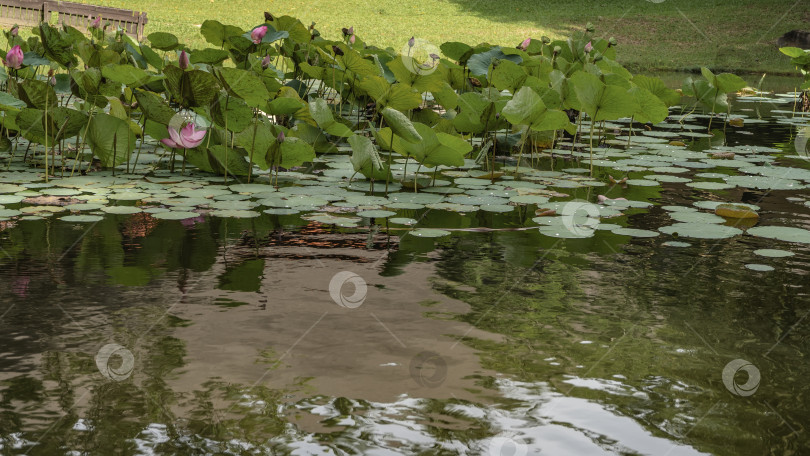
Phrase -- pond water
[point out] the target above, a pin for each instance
(127, 332)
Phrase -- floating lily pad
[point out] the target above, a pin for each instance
(712, 205)
(82, 218)
(735, 211)
(529, 199)
(11, 199)
(607, 227)
(60, 191)
(39, 209)
(701, 230)
(696, 217)
(428, 232)
(121, 210)
(403, 221)
(759, 267)
(773, 253)
(127, 196)
(497, 208)
(635, 232)
(782, 233)
(676, 244)
(281, 211)
(376, 214)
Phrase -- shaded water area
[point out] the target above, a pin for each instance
(283, 335)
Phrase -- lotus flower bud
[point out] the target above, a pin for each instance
(96, 23)
(258, 33)
(184, 60)
(588, 48)
(352, 39)
(14, 58)
(266, 62)
(14, 30)
(281, 137)
(525, 44)
(411, 42)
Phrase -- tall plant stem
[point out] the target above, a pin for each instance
(227, 98)
(46, 136)
(405, 171)
(522, 145)
(630, 134)
(138, 154)
(53, 149)
(253, 144)
(81, 146)
(590, 138)
(390, 156)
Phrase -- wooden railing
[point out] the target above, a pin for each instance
(79, 15)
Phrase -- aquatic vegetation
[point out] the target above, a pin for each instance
(278, 121)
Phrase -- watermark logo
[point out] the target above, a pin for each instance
(420, 56)
(801, 143)
(580, 217)
(112, 368)
(339, 281)
(730, 372)
(504, 446)
(428, 369)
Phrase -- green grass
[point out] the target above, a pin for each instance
(738, 35)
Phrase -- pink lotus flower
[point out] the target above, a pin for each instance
(603, 198)
(96, 23)
(352, 39)
(525, 44)
(588, 48)
(187, 138)
(184, 61)
(258, 33)
(14, 58)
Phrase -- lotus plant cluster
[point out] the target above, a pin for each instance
(274, 95)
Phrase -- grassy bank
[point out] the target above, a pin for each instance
(738, 35)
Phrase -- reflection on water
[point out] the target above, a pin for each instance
(239, 348)
(278, 336)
